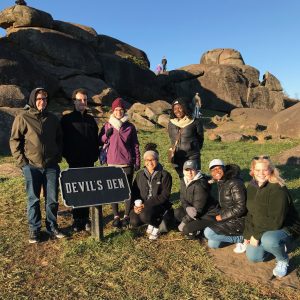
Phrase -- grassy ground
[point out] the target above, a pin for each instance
(126, 265)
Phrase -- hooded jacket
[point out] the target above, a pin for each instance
(80, 139)
(36, 136)
(232, 203)
(153, 189)
(196, 194)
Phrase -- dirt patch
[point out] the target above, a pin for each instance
(10, 170)
(237, 267)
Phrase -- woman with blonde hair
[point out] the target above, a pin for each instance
(272, 219)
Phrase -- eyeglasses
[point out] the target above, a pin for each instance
(150, 160)
(261, 157)
(42, 98)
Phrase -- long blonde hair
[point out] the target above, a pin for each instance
(274, 172)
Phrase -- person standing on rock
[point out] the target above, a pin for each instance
(186, 135)
(164, 64)
(80, 147)
(272, 220)
(123, 150)
(36, 144)
(197, 103)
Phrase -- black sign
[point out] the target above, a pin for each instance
(82, 187)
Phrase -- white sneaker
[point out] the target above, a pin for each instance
(154, 234)
(240, 248)
(149, 229)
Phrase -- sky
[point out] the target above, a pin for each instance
(265, 32)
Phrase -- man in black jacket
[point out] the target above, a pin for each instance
(230, 214)
(80, 146)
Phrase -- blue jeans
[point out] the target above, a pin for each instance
(271, 242)
(215, 240)
(36, 178)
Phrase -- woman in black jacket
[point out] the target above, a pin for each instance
(186, 135)
(229, 217)
(195, 199)
(153, 186)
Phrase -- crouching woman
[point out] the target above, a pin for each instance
(153, 186)
(195, 200)
(272, 220)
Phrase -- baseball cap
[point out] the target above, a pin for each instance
(216, 162)
(190, 164)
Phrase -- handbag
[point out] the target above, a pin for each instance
(103, 154)
(171, 151)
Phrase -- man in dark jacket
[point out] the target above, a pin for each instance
(36, 144)
(230, 215)
(80, 146)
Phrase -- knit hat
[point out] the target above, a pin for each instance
(216, 162)
(190, 164)
(119, 102)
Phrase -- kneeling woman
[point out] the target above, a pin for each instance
(195, 200)
(153, 186)
(272, 219)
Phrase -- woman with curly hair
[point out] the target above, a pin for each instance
(186, 135)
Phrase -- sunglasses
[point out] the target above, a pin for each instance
(261, 157)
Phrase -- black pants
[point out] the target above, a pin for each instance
(115, 207)
(151, 215)
(81, 215)
(194, 226)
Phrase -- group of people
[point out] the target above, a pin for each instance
(259, 219)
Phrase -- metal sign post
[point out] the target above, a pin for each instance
(92, 187)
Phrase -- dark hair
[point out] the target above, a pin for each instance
(183, 102)
(151, 147)
(80, 91)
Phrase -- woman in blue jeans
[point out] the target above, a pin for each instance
(272, 219)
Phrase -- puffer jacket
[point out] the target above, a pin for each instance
(190, 142)
(232, 203)
(197, 195)
(36, 137)
(153, 189)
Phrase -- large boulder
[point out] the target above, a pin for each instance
(222, 57)
(159, 106)
(7, 116)
(16, 69)
(57, 47)
(286, 123)
(109, 45)
(78, 31)
(271, 82)
(24, 16)
(129, 79)
(13, 96)
(94, 86)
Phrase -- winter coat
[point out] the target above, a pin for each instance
(80, 139)
(270, 207)
(36, 137)
(190, 142)
(232, 203)
(196, 194)
(153, 189)
(123, 145)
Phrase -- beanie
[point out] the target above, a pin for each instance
(119, 102)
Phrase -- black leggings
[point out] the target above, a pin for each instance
(151, 215)
(193, 226)
(115, 207)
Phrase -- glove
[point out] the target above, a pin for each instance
(191, 211)
(136, 168)
(180, 226)
(109, 132)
